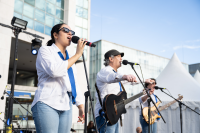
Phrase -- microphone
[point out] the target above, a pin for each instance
(75, 40)
(125, 62)
(159, 88)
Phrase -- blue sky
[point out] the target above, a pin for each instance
(161, 27)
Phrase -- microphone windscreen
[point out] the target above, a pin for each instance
(125, 62)
(75, 39)
(156, 87)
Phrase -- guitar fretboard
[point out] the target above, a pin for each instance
(133, 98)
(169, 104)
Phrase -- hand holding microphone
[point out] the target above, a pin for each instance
(81, 44)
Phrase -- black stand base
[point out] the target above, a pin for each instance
(87, 94)
(149, 114)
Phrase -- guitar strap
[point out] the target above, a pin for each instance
(122, 86)
(98, 94)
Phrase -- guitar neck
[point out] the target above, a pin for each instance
(167, 105)
(133, 98)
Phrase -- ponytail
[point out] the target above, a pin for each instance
(50, 42)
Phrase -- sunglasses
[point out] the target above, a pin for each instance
(153, 83)
(66, 30)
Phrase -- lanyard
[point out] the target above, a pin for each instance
(119, 82)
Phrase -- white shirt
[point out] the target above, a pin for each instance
(53, 79)
(108, 83)
(145, 104)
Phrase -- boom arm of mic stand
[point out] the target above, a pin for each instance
(148, 94)
(180, 102)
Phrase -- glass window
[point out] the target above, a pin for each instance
(78, 31)
(78, 21)
(28, 10)
(41, 4)
(85, 23)
(60, 3)
(79, 3)
(57, 21)
(39, 15)
(85, 33)
(32, 2)
(17, 15)
(85, 13)
(79, 11)
(59, 13)
(18, 6)
(30, 22)
(85, 5)
(50, 8)
(39, 27)
(52, 1)
(49, 20)
(48, 30)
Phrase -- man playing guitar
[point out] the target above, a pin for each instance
(144, 103)
(108, 82)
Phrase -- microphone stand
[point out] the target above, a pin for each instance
(180, 106)
(149, 100)
(16, 34)
(88, 94)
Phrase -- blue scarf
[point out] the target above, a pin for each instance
(71, 77)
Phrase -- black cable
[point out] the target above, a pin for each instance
(141, 72)
(102, 125)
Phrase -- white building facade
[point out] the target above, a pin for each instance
(41, 15)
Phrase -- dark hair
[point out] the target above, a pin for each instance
(146, 84)
(89, 125)
(54, 29)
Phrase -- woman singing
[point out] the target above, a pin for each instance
(57, 83)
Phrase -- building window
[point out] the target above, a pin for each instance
(41, 15)
(81, 21)
(81, 18)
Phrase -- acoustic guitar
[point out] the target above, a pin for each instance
(114, 105)
(154, 113)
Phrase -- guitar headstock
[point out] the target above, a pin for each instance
(180, 97)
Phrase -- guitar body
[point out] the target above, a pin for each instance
(154, 115)
(112, 110)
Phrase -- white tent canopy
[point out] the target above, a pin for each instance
(197, 76)
(178, 81)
